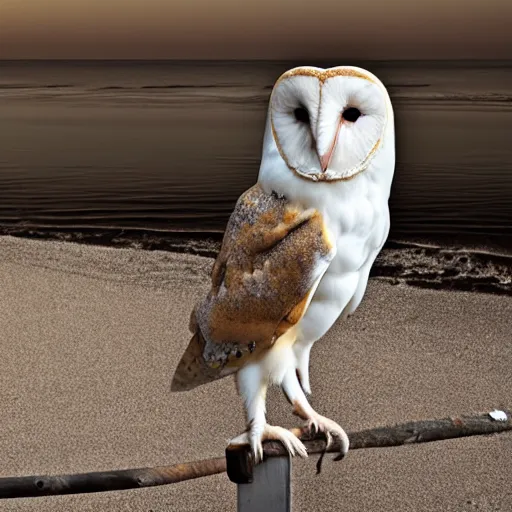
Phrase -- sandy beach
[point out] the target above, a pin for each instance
(90, 337)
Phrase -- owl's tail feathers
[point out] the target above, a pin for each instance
(192, 370)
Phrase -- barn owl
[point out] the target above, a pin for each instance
(298, 247)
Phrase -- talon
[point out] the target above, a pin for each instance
(256, 447)
(259, 433)
(331, 430)
(260, 454)
(290, 441)
(328, 439)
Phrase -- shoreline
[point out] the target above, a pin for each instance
(422, 264)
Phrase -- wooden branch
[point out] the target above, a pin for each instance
(239, 462)
(30, 486)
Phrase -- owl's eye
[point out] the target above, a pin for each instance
(301, 114)
(351, 114)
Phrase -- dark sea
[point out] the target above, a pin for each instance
(170, 145)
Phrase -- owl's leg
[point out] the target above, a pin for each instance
(315, 421)
(302, 351)
(252, 386)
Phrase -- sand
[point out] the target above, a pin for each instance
(90, 337)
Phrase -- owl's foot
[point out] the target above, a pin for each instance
(317, 423)
(257, 434)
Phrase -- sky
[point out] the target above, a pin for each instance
(262, 29)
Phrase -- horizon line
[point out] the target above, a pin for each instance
(31, 59)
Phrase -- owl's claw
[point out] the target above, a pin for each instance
(257, 449)
(256, 435)
(328, 440)
(331, 430)
(312, 426)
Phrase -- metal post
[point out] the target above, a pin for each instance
(264, 487)
(270, 488)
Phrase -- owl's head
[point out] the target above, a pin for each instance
(328, 124)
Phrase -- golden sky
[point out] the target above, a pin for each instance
(261, 29)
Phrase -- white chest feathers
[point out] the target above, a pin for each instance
(357, 215)
(329, 144)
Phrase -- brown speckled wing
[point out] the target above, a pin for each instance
(272, 255)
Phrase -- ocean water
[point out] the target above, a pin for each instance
(170, 145)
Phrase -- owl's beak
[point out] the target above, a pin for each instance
(325, 159)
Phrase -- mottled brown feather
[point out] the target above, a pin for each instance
(271, 257)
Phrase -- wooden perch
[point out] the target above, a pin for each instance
(240, 465)
(239, 462)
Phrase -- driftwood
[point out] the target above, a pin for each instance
(239, 462)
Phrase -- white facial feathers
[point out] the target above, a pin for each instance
(354, 140)
(296, 137)
(328, 124)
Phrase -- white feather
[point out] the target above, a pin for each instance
(355, 210)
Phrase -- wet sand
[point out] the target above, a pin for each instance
(90, 337)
